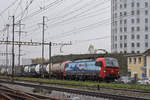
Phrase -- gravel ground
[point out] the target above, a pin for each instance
(116, 92)
(66, 96)
(80, 97)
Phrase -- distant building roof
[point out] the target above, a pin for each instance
(147, 53)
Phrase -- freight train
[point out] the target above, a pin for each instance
(86, 69)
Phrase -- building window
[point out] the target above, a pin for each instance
(138, 37)
(121, 37)
(116, 46)
(130, 60)
(116, 23)
(138, 12)
(115, 6)
(146, 28)
(115, 30)
(132, 36)
(125, 29)
(132, 45)
(132, 21)
(125, 5)
(120, 29)
(120, 22)
(134, 60)
(138, 28)
(125, 45)
(125, 13)
(132, 52)
(115, 15)
(115, 38)
(146, 44)
(132, 12)
(146, 4)
(120, 45)
(132, 29)
(138, 44)
(146, 12)
(120, 6)
(125, 37)
(120, 14)
(125, 52)
(125, 21)
(132, 4)
(138, 51)
(146, 20)
(137, 20)
(139, 60)
(146, 36)
(138, 4)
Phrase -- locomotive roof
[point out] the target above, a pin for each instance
(90, 58)
(87, 59)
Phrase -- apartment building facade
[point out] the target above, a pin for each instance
(130, 29)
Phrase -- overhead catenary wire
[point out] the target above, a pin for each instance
(19, 3)
(87, 10)
(35, 29)
(25, 9)
(47, 7)
(71, 6)
(41, 10)
(71, 12)
(12, 4)
(7, 8)
(31, 1)
(69, 33)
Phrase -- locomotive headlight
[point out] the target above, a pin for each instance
(104, 71)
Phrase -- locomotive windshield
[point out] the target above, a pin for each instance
(111, 62)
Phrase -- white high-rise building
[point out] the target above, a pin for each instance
(130, 31)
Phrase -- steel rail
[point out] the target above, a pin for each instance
(3, 95)
(94, 87)
(76, 91)
(16, 95)
(10, 94)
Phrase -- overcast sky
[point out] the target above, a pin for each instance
(83, 22)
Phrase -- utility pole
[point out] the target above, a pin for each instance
(19, 42)
(7, 62)
(43, 30)
(50, 58)
(20, 31)
(13, 54)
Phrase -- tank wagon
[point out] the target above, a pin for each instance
(58, 70)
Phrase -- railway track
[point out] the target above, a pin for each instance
(7, 93)
(96, 87)
(76, 91)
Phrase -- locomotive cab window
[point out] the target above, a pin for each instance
(99, 63)
(66, 65)
(111, 62)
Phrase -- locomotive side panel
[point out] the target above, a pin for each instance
(83, 68)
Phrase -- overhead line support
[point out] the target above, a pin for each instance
(13, 54)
